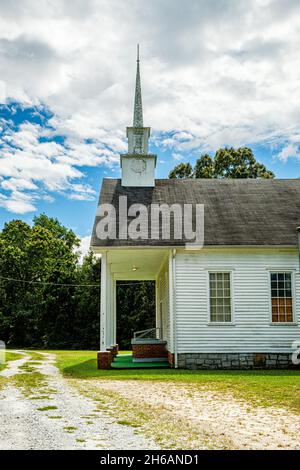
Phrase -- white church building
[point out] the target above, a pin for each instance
(229, 301)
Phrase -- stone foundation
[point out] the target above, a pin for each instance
(236, 361)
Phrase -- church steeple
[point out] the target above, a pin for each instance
(138, 166)
(138, 106)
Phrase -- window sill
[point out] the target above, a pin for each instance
(212, 323)
(283, 324)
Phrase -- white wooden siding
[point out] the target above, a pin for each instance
(252, 330)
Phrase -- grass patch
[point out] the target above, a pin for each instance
(27, 368)
(54, 417)
(70, 429)
(34, 355)
(154, 422)
(29, 382)
(47, 408)
(32, 385)
(10, 356)
(125, 422)
(266, 388)
(40, 397)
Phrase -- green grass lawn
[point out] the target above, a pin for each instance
(266, 388)
(10, 356)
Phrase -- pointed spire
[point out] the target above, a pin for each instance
(138, 107)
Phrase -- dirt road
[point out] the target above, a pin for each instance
(53, 415)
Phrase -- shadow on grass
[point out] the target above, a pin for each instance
(88, 369)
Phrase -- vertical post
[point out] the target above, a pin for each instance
(172, 306)
(170, 301)
(103, 303)
(114, 313)
(298, 231)
(110, 318)
(157, 322)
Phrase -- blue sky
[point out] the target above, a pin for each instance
(213, 74)
(79, 214)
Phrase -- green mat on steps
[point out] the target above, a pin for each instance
(124, 361)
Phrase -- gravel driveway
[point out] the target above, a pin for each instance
(56, 416)
(243, 425)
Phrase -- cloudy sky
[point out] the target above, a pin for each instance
(214, 73)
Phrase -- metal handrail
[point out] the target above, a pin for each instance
(143, 333)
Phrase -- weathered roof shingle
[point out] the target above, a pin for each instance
(238, 212)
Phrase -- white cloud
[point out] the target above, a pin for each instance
(84, 247)
(214, 64)
(290, 151)
(214, 73)
(17, 203)
(177, 156)
(36, 167)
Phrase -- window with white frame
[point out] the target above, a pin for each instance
(282, 298)
(220, 297)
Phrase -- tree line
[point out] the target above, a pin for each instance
(49, 300)
(227, 163)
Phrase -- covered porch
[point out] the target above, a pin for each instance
(149, 346)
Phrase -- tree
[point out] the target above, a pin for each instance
(49, 300)
(183, 170)
(86, 318)
(204, 167)
(239, 163)
(46, 298)
(227, 163)
(135, 309)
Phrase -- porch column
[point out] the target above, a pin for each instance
(114, 299)
(172, 306)
(157, 315)
(107, 321)
(103, 303)
(110, 308)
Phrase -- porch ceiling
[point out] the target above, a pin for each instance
(147, 263)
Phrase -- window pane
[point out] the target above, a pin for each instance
(227, 293)
(220, 297)
(281, 294)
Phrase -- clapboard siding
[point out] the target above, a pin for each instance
(251, 331)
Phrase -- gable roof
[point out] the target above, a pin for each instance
(238, 212)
